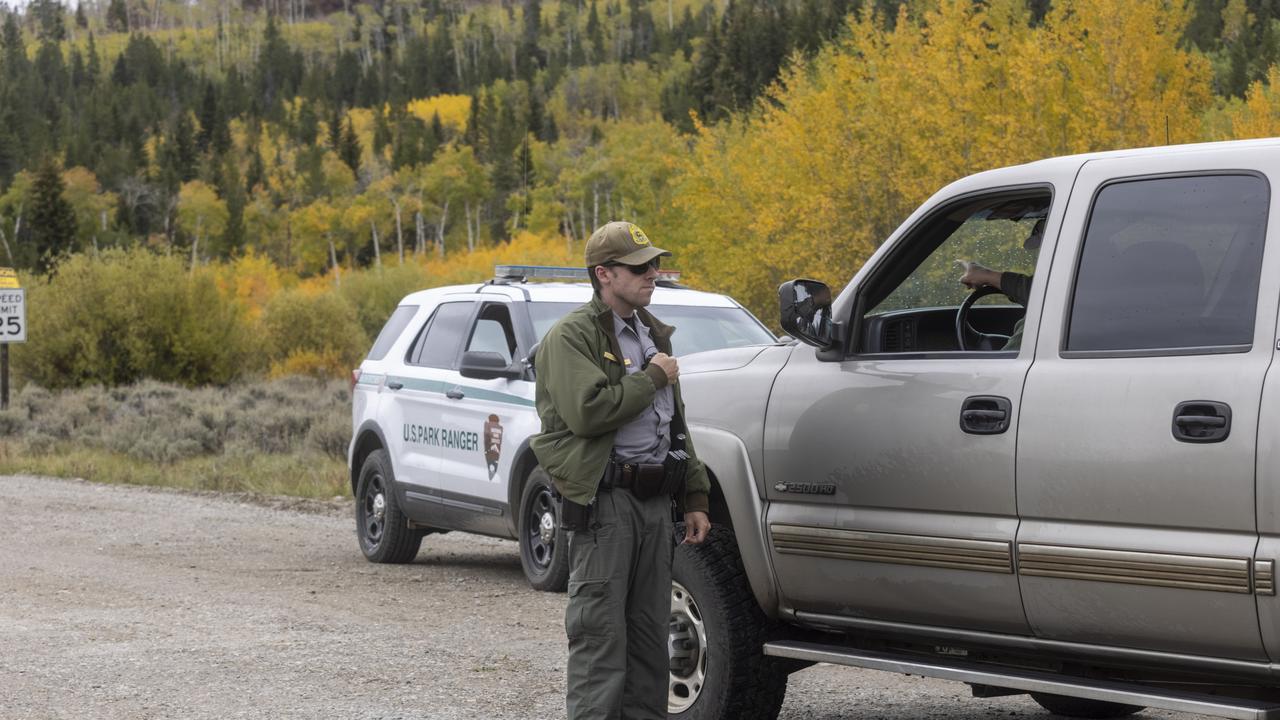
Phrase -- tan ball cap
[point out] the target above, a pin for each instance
(621, 242)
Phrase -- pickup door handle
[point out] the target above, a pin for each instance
(455, 394)
(394, 385)
(1201, 421)
(985, 414)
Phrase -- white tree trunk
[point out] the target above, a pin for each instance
(444, 218)
(333, 260)
(420, 235)
(399, 232)
(5, 241)
(377, 252)
(195, 244)
(595, 207)
(466, 215)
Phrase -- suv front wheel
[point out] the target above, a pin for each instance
(544, 551)
(385, 536)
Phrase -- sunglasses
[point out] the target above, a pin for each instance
(655, 263)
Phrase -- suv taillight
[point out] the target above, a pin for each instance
(355, 378)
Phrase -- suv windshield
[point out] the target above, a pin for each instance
(698, 328)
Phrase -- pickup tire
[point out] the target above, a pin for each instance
(718, 670)
(1083, 707)
(383, 529)
(544, 550)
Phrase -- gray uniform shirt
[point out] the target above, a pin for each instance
(647, 438)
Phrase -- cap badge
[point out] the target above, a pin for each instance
(638, 235)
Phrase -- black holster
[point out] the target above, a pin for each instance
(573, 517)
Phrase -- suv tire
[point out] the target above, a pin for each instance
(718, 669)
(1083, 707)
(544, 550)
(383, 530)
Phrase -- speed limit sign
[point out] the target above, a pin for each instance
(13, 315)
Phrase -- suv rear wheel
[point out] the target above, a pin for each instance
(715, 636)
(385, 536)
(1083, 707)
(544, 552)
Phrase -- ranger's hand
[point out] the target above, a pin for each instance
(696, 527)
(668, 365)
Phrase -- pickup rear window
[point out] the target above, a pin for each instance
(1171, 263)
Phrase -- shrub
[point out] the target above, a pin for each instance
(300, 322)
(128, 315)
(330, 434)
(375, 292)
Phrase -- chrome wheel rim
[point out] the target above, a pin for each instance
(540, 537)
(687, 648)
(373, 515)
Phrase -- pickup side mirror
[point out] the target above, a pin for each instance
(805, 308)
(483, 365)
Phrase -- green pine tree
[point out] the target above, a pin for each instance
(118, 16)
(350, 148)
(52, 221)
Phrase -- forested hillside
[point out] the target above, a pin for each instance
(213, 127)
(275, 153)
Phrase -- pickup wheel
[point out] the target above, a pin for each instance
(718, 670)
(544, 552)
(383, 529)
(1083, 707)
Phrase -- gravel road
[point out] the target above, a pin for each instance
(125, 602)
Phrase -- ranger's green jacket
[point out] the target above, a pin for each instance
(584, 395)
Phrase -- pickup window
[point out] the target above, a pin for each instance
(1170, 263)
(914, 304)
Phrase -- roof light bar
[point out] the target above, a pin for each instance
(551, 272)
(524, 272)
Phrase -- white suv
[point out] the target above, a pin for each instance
(443, 408)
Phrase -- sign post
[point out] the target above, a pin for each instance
(13, 325)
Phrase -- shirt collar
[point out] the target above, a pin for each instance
(619, 324)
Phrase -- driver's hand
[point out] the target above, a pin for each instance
(976, 276)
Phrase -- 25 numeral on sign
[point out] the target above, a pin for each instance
(13, 316)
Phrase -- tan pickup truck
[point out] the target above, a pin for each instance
(1065, 482)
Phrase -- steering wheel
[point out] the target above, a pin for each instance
(966, 335)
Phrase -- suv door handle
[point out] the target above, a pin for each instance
(985, 414)
(1201, 421)
(394, 385)
(455, 394)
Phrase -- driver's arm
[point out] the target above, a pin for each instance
(1015, 286)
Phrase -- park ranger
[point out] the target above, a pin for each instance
(614, 443)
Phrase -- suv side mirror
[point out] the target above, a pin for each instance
(805, 308)
(484, 365)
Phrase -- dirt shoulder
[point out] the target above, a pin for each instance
(128, 602)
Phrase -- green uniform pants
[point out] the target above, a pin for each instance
(619, 608)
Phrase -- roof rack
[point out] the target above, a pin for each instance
(508, 274)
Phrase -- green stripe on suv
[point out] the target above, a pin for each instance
(475, 393)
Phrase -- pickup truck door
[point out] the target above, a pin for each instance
(1139, 421)
(889, 498)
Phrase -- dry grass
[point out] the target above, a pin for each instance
(283, 437)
